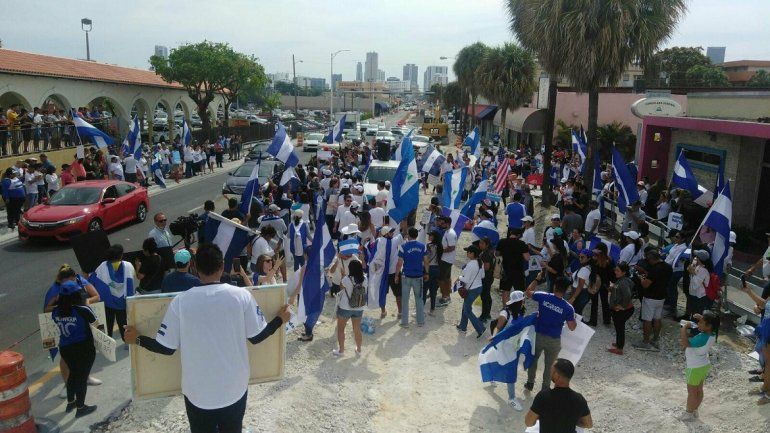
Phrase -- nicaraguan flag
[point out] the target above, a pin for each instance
(624, 183)
(499, 360)
(458, 219)
(348, 246)
(720, 184)
(485, 229)
(472, 140)
(399, 153)
(598, 185)
(229, 236)
(454, 183)
(314, 284)
(335, 134)
(684, 178)
(113, 285)
(477, 197)
(718, 220)
(157, 172)
(612, 250)
(132, 145)
(85, 129)
(431, 161)
(288, 175)
(252, 188)
(578, 147)
(404, 186)
(282, 149)
(186, 133)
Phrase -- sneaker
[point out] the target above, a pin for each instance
(337, 352)
(515, 404)
(442, 303)
(92, 381)
(763, 399)
(305, 337)
(70, 407)
(84, 410)
(643, 346)
(63, 392)
(404, 325)
(479, 334)
(756, 391)
(420, 325)
(461, 330)
(615, 350)
(656, 345)
(688, 417)
(529, 386)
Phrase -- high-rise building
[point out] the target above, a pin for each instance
(716, 54)
(359, 72)
(161, 51)
(335, 79)
(410, 74)
(380, 75)
(433, 75)
(372, 66)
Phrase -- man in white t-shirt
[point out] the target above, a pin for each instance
(350, 216)
(115, 169)
(593, 218)
(341, 209)
(449, 243)
(209, 325)
(382, 195)
(377, 214)
(130, 168)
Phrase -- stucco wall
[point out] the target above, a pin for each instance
(729, 105)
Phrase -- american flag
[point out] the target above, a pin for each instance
(500, 154)
(502, 175)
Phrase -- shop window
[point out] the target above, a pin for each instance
(703, 158)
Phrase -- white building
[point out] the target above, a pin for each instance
(394, 85)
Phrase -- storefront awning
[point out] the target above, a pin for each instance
(487, 113)
(524, 119)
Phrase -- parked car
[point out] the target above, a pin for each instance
(378, 171)
(84, 207)
(269, 168)
(312, 141)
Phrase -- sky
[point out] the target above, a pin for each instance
(401, 31)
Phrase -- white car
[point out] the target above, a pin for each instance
(420, 143)
(378, 171)
(371, 131)
(312, 141)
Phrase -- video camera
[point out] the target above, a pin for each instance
(186, 226)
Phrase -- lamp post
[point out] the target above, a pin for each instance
(331, 82)
(86, 25)
(294, 73)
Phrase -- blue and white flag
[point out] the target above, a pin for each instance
(477, 197)
(472, 140)
(612, 250)
(398, 154)
(282, 148)
(314, 284)
(114, 285)
(85, 129)
(454, 184)
(186, 134)
(288, 175)
(229, 236)
(405, 185)
(720, 184)
(252, 188)
(499, 360)
(718, 220)
(431, 161)
(598, 185)
(485, 229)
(458, 219)
(157, 171)
(335, 134)
(684, 178)
(348, 246)
(132, 145)
(624, 183)
(578, 146)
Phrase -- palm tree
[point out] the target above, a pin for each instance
(591, 42)
(465, 66)
(507, 78)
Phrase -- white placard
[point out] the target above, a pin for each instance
(324, 155)
(675, 221)
(433, 180)
(573, 343)
(80, 152)
(104, 343)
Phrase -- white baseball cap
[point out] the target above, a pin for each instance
(273, 207)
(631, 234)
(555, 217)
(385, 230)
(527, 218)
(516, 296)
(350, 229)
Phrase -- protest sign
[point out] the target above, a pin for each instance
(49, 331)
(573, 343)
(104, 343)
(80, 152)
(675, 221)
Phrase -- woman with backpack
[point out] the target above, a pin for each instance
(351, 303)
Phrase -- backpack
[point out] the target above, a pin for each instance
(714, 287)
(358, 297)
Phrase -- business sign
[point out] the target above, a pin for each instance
(656, 106)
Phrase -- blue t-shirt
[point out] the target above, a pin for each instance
(74, 328)
(178, 282)
(516, 211)
(552, 313)
(412, 253)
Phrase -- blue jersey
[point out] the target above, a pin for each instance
(552, 313)
(76, 327)
(412, 253)
(516, 211)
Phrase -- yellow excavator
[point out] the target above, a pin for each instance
(434, 126)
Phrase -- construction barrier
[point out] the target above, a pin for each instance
(300, 139)
(15, 406)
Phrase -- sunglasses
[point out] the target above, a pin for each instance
(162, 221)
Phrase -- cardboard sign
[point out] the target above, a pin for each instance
(104, 343)
(574, 343)
(675, 221)
(80, 152)
(50, 333)
(433, 180)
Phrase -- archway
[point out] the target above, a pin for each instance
(55, 102)
(9, 99)
(108, 115)
(141, 109)
(163, 122)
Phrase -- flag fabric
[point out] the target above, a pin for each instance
(114, 285)
(578, 146)
(477, 197)
(486, 229)
(405, 185)
(431, 161)
(132, 144)
(157, 171)
(500, 154)
(398, 153)
(85, 129)
(612, 250)
(502, 175)
(186, 134)
(229, 236)
(348, 246)
(684, 178)
(252, 188)
(720, 184)
(335, 134)
(718, 220)
(378, 272)
(282, 148)
(314, 284)
(499, 360)
(472, 140)
(458, 219)
(597, 183)
(624, 183)
(288, 174)
(454, 183)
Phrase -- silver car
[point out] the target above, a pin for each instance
(237, 179)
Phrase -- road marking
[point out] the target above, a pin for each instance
(194, 209)
(36, 385)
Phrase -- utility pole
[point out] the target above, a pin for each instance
(294, 73)
(331, 84)
(86, 24)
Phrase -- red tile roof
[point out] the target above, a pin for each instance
(749, 63)
(18, 62)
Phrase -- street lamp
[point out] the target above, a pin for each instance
(331, 86)
(294, 73)
(86, 25)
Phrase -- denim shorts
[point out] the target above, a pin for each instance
(349, 314)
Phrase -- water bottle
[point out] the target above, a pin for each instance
(687, 324)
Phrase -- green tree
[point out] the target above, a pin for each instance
(465, 66)
(202, 69)
(674, 63)
(436, 91)
(245, 74)
(284, 88)
(760, 79)
(591, 42)
(622, 136)
(707, 76)
(452, 96)
(507, 78)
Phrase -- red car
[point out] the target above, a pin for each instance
(85, 206)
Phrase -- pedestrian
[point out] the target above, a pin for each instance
(299, 241)
(654, 281)
(633, 249)
(14, 195)
(675, 259)
(180, 279)
(76, 344)
(696, 354)
(487, 257)
(115, 169)
(557, 262)
(559, 409)
(621, 306)
(448, 245)
(411, 271)
(114, 279)
(515, 211)
(430, 286)
(338, 269)
(149, 268)
(160, 233)
(593, 219)
(762, 306)
(31, 177)
(469, 283)
(553, 313)
(583, 282)
(700, 271)
(215, 360)
(52, 181)
(512, 315)
(266, 269)
(351, 303)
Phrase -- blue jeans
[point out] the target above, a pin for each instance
(672, 295)
(581, 301)
(430, 287)
(412, 285)
(468, 312)
(31, 200)
(511, 390)
(188, 170)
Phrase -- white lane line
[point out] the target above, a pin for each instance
(194, 209)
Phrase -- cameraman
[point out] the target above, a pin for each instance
(208, 206)
(160, 233)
